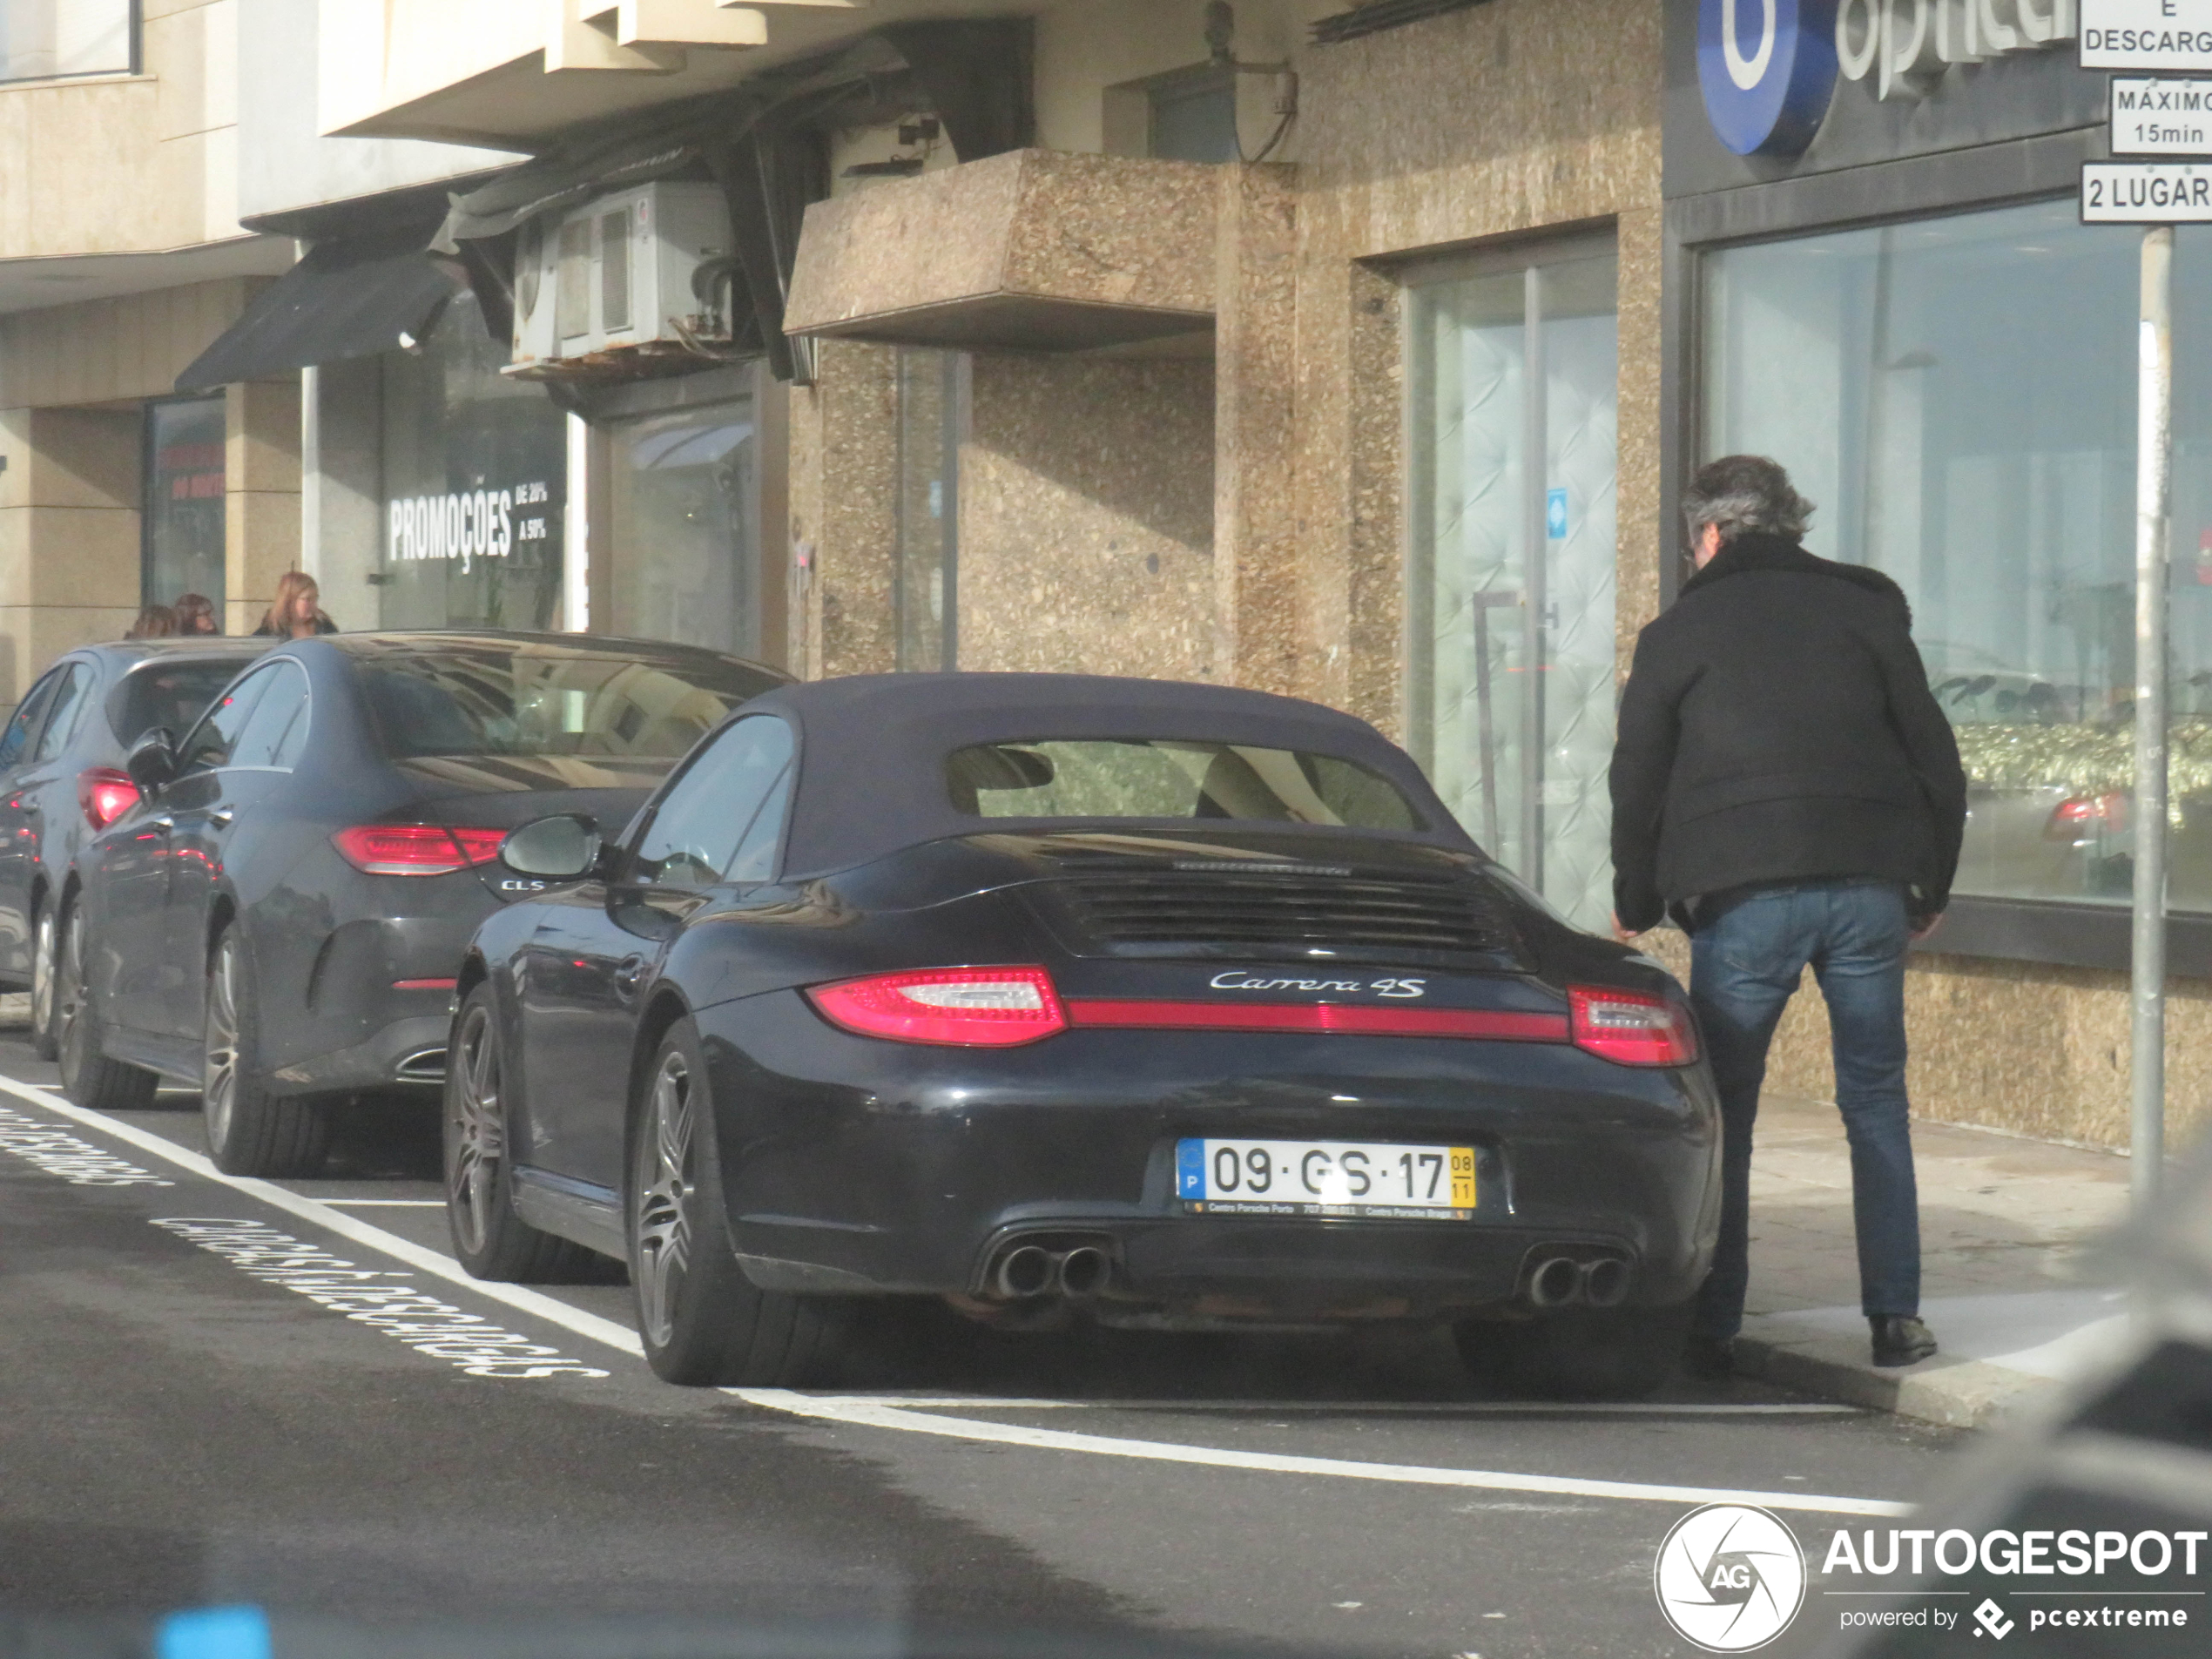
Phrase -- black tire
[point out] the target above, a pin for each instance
(46, 963)
(88, 1077)
(1579, 1353)
(250, 1132)
(703, 1322)
(488, 1238)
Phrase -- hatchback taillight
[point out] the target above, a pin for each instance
(105, 794)
(416, 849)
(1631, 1028)
(979, 1008)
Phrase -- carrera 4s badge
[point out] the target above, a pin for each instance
(1237, 980)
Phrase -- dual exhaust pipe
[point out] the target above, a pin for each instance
(1031, 1270)
(1561, 1281)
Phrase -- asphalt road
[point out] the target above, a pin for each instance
(186, 1419)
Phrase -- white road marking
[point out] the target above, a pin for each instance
(1377, 1408)
(535, 1302)
(865, 1413)
(386, 1204)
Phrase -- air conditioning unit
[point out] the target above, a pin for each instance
(634, 284)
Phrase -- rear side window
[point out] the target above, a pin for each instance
(1162, 778)
(533, 700)
(68, 712)
(278, 718)
(209, 745)
(171, 695)
(14, 743)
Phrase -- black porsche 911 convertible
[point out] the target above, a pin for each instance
(1180, 1006)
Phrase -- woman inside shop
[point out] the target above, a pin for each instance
(196, 615)
(296, 612)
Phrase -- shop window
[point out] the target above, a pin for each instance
(49, 39)
(924, 576)
(475, 469)
(685, 498)
(1958, 395)
(181, 527)
(1513, 365)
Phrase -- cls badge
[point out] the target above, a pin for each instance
(516, 884)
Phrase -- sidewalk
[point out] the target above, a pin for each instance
(2012, 1283)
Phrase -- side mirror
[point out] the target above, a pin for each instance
(152, 761)
(566, 848)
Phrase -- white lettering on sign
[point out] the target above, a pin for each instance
(1907, 45)
(2154, 117)
(2145, 193)
(466, 525)
(382, 1298)
(2146, 34)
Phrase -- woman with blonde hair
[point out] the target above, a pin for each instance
(155, 622)
(296, 612)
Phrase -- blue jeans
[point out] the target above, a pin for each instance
(1744, 963)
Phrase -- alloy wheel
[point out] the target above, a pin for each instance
(477, 1128)
(219, 1084)
(43, 944)
(665, 1198)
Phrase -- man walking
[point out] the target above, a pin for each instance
(1786, 787)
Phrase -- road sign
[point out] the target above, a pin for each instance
(2147, 192)
(2161, 117)
(2173, 36)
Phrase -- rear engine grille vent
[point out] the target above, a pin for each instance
(1292, 912)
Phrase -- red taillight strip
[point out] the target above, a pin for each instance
(425, 984)
(1351, 1019)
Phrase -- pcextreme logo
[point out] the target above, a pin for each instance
(1730, 1578)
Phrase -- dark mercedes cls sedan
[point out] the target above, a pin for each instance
(62, 782)
(279, 921)
(1172, 1006)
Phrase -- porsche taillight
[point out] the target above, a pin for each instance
(416, 849)
(103, 795)
(976, 1007)
(1631, 1028)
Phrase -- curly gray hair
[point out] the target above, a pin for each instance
(1738, 494)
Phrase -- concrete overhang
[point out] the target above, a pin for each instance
(35, 284)
(1035, 250)
(510, 74)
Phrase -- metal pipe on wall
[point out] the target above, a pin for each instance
(2154, 409)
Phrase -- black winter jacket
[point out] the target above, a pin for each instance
(1778, 725)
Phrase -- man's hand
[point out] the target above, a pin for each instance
(1626, 935)
(1922, 926)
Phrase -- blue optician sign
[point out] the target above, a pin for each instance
(1768, 70)
(1556, 515)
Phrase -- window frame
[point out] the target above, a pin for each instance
(135, 65)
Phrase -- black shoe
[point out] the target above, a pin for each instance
(1709, 1359)
(1900, 1339)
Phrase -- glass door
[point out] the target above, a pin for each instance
(1512, 371)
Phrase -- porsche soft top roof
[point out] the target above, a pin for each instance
(873, 747)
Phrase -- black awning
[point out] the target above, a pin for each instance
(350, 299)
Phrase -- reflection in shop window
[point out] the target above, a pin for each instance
(685, 502)
(1959, 396)
(181, 526)
(924, 576)
(47, 39)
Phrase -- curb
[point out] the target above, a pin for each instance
(1951, 1394)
